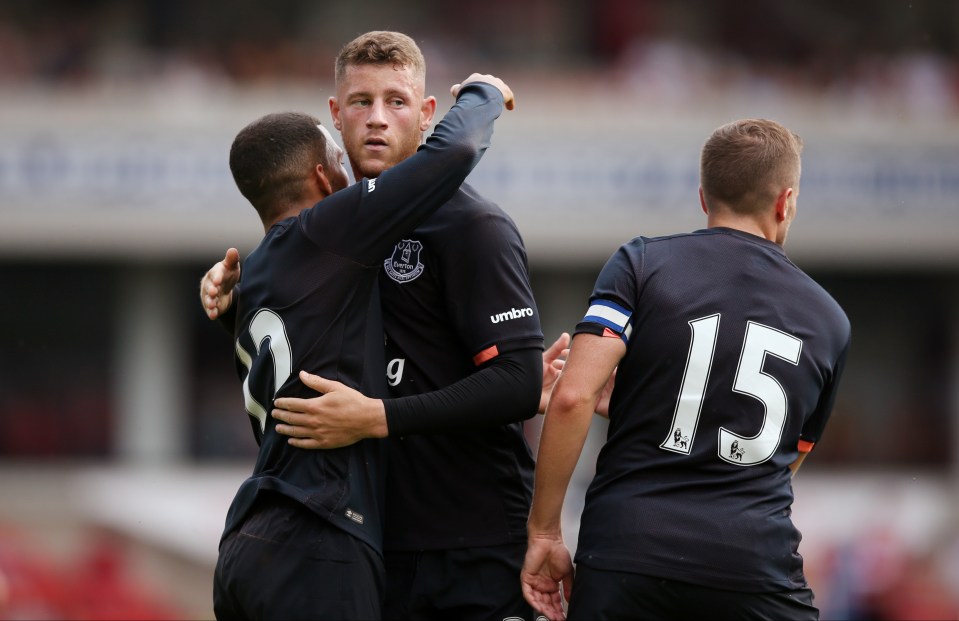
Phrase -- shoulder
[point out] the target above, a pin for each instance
(831, 309)
(822, 308)
(468, 203)
(468, 214)
(642, 244)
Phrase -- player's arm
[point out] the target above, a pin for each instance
(554, 359)
(367, 219)
(794, 467)
(813, 426)
(504, 390)
(591, 362)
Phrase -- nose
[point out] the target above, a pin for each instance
(377, 115)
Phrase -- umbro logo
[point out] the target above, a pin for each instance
(513, 313)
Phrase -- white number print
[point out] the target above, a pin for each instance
(751, 380)
(266, 325)
(689, 404)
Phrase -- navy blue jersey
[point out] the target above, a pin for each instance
(456, 294)
(308, 301)
(732, 360)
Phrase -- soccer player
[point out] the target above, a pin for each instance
(460, 320)
(303, 536)
(727, 361)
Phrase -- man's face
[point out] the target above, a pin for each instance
(381, 114)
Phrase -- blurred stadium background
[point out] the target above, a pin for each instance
(123, 434)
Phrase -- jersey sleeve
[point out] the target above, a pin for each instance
(489, 298)
(366, 219)
(611, 305)
(504, 390)
(815, 424)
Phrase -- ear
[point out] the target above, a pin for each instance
(335, 113)
(782, 204)
(702, 202)
(322, 181)
(427, 112)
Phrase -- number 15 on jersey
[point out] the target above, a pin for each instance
(751, 380)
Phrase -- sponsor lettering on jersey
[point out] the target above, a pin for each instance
(394, 371)
(513, 313)
(405, 265)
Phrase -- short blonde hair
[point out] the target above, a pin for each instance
(746, 163)
(381, 47)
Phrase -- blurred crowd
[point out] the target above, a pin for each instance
(95, 583)
(878, 577)
(890, 57)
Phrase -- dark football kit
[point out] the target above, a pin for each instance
(456, 297)
(732, 359)
(308, 300)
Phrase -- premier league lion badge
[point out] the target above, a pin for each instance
(405, 264)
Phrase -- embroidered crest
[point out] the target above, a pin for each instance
(405, 264)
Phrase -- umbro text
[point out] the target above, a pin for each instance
(513, 313)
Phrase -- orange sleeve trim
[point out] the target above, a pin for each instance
(607, 333)
(487, 354)
(805, 447)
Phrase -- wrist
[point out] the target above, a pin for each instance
(544, 529)
(379, 428)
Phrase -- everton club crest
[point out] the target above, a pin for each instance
(405, 264)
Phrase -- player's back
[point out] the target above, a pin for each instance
(731, 361)
(303, 306)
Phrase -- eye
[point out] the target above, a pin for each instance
(396, 102)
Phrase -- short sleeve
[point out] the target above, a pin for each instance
(489, 297)
(615, 294)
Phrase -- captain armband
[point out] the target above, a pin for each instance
(616, 320)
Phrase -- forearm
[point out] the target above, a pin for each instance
(592, 360)
(561, 444)
(505, 390)
(794, 467)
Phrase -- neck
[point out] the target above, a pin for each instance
(287, 211)
(748, 224)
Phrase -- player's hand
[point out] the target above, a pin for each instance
(554, 359)
(602, 404)
(508, 99)
(340, 416)
(216, 286)
(547, 575)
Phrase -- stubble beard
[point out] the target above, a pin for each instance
(371, 167)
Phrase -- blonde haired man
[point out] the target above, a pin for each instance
(727, 360)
